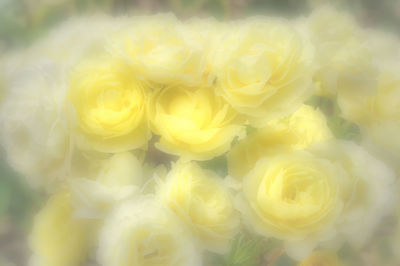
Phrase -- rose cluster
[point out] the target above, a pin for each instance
(159, 141)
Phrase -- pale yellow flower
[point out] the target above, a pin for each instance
(370, 194)
(34, 128)
(58, 237)
(108, 106)
(379, 107)
(332, 192)
(345, 63)
(118, 179)
(202, 201)
(378, 114)
(263, 68)
(295, 132)
(144, 232)
(208, 33)
(192, 123)
(295, 197)
(162, 50)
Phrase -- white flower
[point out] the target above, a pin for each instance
(34, 131)
(119, 179)
(33, 128)
(142, 232)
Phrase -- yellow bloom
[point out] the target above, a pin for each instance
(294, 132)
(143, 232)
(379, 107)
(194, 124)
(208, 33)
(162, 50)
(322, 258)
(202, 201)
(122, 169)
(119, 179)
(293, 197)
(263, 68)
(34, 130)
(369, 194)
(344, 60)
(58, 237)
(333, 192)
(378, 114)
(109, 102)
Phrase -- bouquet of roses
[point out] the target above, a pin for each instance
(161, 142)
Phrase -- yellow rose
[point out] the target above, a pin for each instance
(162, 50)
(143, 232)
(263, 68)
(381, 106)
(193, 124)
(208, 33)
(122, 169)
(294, 197)
(322, 258)
(109, 106)
(34, 130)
(203, 202)
(119, 179)
(378, 114)
(294, 132)
(58, 237)
(369, 195)
(344, 60)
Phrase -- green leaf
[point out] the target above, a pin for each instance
(340, 127)
(218, 164)
(246, 250)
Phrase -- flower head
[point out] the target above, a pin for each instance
(194, 124)
(109, 106)
(263, 68)
(142, 232)
(202, 201)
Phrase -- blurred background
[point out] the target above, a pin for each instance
(24, 21)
